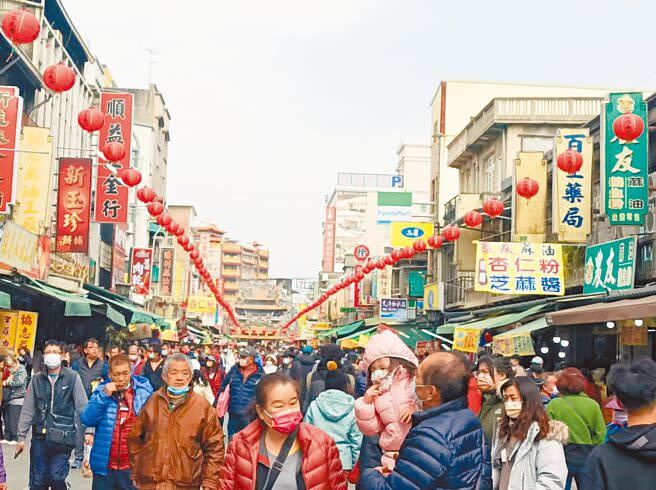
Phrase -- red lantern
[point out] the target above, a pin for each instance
(493, 207)
(527, 188)
(389, 260)
(408, 252)
(628, 127)
(113, 151)
(21, 26)
(146, 194)
(435, 241)
(451, 233)
(163, 219)
(380, 263)
(193, 255)
(473, 219)
(155, 208)
(188, 247)
(419, 246)
(198, 262)
(397, 254)
(179, 231)
(183, 240)
(359, 276)
(570, 161)
(91, 119)
(59, 77)
(131, 177)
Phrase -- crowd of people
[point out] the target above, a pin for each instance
(153, 416)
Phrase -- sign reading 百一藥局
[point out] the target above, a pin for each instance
(625, 159)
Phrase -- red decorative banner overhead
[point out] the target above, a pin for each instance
(11, 108)
(111, 193)
(73, 205)
(140, 266)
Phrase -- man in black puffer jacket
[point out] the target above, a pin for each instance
(446, 447)
(302, 366)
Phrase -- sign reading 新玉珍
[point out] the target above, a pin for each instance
(625, 164)
(610, 266)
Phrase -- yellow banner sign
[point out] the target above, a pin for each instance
(8, 323)
(432, 297)
(34, 171)
(572, 193)
(519, 268)
(201, 304)
(405, 233)
(466, 339)
(520, 345)
(18, 247)
(18, 329)
(530, 215)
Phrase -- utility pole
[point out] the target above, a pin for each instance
(150, 53)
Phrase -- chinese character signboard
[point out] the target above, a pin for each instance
(394, 308)
(329, 241)
(624, 159)
(18, 247)
(516, 345)
(632, 334)
(519, 268)
(610, 266)
(201, 304)
(530, 215)
(140, 265)
(11, 110)
(111, 193)
(73, 205)
(166, 261)
(8, 323)
(118, 254)
(466, 339)
(26, 330)
(404, 233)
(571, 198)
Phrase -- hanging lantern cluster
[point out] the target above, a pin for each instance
(91, 119)
(21, 26)
(493, 207)
(113, 151)
(451, 233)
(156, 210)
(473, 219)
(527, 188)
(570, 161)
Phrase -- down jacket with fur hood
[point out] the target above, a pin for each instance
(383, 416)
(537, 464)
(321, 467)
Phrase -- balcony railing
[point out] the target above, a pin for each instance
(231, 260)
(459, 205)
(455, 290)
(231, 248)
(554, 110)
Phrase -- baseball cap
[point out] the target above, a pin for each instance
(307, 349)
(247, 352)
(537, 360)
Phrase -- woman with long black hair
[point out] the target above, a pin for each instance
(527, 451)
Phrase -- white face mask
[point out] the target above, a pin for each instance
(269, 363)
(152, 355)
(134, 357)
(378, 374)
(286, 361)
(165, 352)
(513, 409)
(52, 361)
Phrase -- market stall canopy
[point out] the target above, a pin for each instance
(133, 312)
(342, 330)
(74, 304)
(527, 328)
(625, 309)
(491, 322)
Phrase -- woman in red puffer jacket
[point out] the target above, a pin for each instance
(253, 451)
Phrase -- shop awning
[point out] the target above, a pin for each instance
(626, 309)
(343, 330)
(5, 300)
(134, 314)
(74, 305)
(492, 322)
(357, 334)
(527, 328)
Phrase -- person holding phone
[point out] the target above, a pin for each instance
(112, 410)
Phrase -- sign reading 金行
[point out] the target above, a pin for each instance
(73, 205)
(11, 109)
(111, 193)
(140, 266)
(625, 162)
(610, 266)
(519, 268)
(166, 263)
(394, 308)
(572, 193)
(405, 233)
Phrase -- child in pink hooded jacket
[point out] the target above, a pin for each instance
(386, 407)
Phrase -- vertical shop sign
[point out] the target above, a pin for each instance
(572, 193)
(329, 241)
(73, 205)
(167, 260)
(111, 193)
(530, 215)
(26, 330)
(11, 109)
(140, 266)
(118, 254)
(8, 323)
(625, 162)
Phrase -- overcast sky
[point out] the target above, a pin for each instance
(269, 99)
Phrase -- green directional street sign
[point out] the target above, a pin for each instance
(345, 309)
(610, 266)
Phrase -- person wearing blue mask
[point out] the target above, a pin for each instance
(176, 442)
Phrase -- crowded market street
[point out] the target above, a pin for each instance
(302, 245)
